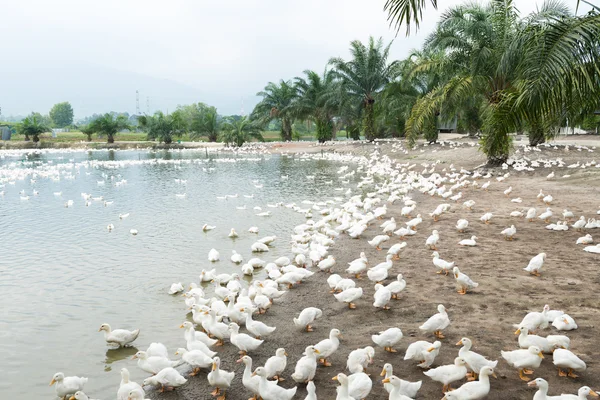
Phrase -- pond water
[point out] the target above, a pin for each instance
(63, 274)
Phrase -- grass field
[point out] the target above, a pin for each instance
(75, 137)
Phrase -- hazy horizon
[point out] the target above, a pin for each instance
(97, 55)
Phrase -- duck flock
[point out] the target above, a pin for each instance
(225, 312)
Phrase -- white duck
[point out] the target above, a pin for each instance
(311, 390)
(394, 250)
(306, 367)
(475, 361)
(546, 215)
(524, 360)
(176, 288)
(446, 374)
(359, 359)
(233, 234)
(127, 386)
(526, 340)
(195, 359)
(219, 378)
(432, 240)
(378, 240)
(388, 339)
(67, 385)
(382, 297)
(359, 385)
(207, 227)
(396, 388)
(327, 347)
(442, 265)
(327, 264)
(250, 381)
(405, 388)
(535, 320)
(531, 213)
(270, 390)
(307, 317)
(461, 225)
(436, 323)
(349, 296)
(276, 365)
(257, 328)
(120, 337)
(582, 394)
(509, 233)
(213, 255)
(565, 359)
(236, 258)
(79, 395)
(242, 341)
(564, 323)
(579, 224)
(152, 364)
(542, 392)
(535, 264)
(166, 378)
(587, 239)
(486, 218)
(473, 390)
(423, 352)
(593, 249)
(463, 282)
(396, 286)
(468, 242)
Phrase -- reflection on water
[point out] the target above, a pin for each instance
(64, 274)
(118, 354)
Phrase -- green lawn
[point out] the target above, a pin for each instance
(75, 137)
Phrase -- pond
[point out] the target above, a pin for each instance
(63, 273)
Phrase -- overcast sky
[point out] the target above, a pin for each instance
(223, 51)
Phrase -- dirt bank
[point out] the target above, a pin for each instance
(569, 282)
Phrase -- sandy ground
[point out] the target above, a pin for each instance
(569, 282)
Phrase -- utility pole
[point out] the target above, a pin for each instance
(137, 102)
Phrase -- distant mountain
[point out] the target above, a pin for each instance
(91, 89)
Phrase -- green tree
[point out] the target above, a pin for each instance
(109, 125)
(61, 114)
(276, 103)
(237, 132)
(364, 77)
(88, 131)
(406, 11)
(163, 127)
(482, 58)
(316, 100)
(31, 126)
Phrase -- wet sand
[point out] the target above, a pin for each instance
(569, 282)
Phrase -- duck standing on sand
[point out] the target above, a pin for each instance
(436, 323)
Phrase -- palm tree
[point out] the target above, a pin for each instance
(276, 104)
(109, 125)
(316, 100)
(32, 126)
(239, 131)
(87, 131)
(409, 11)
(163, 127)
(484, 54)
(364, 77)
(406, 11)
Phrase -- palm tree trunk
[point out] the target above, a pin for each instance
(286, 129)
(369, 120)
(89, 137)
(110, 138)
(36, 138)
(27, 138)
(536, 134)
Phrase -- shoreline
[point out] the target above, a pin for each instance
(486, 314)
